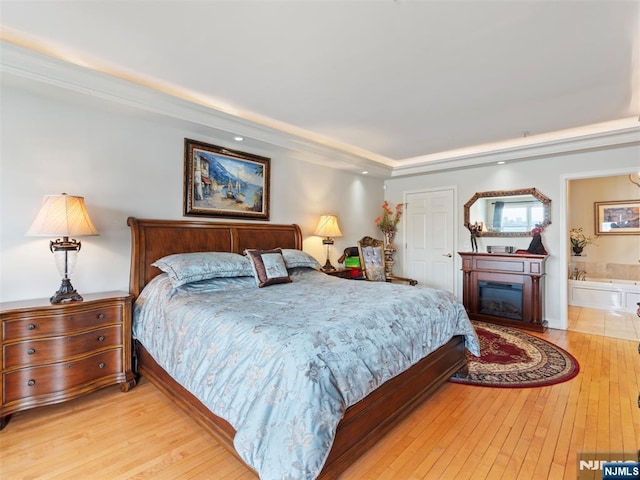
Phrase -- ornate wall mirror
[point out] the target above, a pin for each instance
(508, 213)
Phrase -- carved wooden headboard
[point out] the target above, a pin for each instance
(154, 239)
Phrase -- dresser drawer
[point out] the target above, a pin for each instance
(37, 352)
(42, 326)
(45, 380)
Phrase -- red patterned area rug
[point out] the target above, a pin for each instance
(514, 359)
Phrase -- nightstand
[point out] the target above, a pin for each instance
(340, 272)
(54, 353)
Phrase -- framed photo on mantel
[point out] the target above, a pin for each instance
(618, 218)
(219, 182)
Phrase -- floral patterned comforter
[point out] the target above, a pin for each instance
(281, 364)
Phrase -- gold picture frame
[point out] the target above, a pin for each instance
(371, 252)
(220, 182)
(617, 218)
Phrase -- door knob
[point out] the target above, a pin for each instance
(447, 255)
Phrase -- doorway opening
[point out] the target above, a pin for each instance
(610, 257)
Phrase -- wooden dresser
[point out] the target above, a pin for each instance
(53, 353)
(506, 289)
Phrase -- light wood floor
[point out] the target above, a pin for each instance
(461, 432)
(610, 323)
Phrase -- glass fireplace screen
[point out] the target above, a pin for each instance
(500, 299)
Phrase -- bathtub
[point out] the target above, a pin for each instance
(605, 293)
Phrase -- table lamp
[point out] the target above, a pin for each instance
(328, 228)
(63, 216)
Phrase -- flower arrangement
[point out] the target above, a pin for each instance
(388, 221)
(579, 239)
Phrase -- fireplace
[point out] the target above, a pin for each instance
(500, 299)
(506, 289)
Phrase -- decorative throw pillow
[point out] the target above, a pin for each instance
(185, 268)
(269, 267)
(297, 258)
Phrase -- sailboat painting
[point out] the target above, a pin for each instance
(221, 182)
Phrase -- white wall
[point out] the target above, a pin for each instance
(548, 175)
(127, 162)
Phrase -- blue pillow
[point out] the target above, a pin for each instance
(297, 258)
(192, 267)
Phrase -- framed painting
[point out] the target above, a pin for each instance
(219, 182)
(618, 218)
(371, 252)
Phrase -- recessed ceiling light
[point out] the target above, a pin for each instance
(238, 138)
(364, 172)
(502, 162)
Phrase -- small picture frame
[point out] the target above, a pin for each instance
(617, 218)
(371, 253)
(220, 182)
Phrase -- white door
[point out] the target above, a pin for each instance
(430, 240)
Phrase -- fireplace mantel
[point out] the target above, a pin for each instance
(526, 271)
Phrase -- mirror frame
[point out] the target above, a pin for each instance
(546, 204)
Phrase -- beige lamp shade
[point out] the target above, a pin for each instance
(62, 215)
(328, 227)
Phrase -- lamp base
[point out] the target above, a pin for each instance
(327, 242)
(328, 267)
(66, 293)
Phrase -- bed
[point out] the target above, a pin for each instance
(363, 421)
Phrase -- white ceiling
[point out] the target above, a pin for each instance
(404, 81)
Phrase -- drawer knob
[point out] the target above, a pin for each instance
(31, 382)
(101, 316)
(31, 326)
(31, 351)
(101, 365)
(101, 338)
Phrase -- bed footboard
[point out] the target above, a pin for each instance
(364, 423)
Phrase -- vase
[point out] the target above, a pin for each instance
(577, 251)
(389, 250)
(388, 239)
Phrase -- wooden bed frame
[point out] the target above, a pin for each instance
(364, 423)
